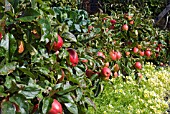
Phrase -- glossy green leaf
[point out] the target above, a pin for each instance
(7, 68)
(30, 92)
(72, 107)
(90, 102)
(47, 103)
(71, 88)
(8, 82)
(77, 27)
(27, 72)
(69, 37)
(7, 108)
(21, 102)
(28, 15)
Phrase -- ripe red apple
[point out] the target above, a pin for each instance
(138, 65)
(56, 108)
(158, 49)
(148, 53)
(73, 56)
(58, 44)
(127, 53)
(113, 21)
(118, 55)
(131, 22)
(112, 27)
(135, 50)
(129, 17)
(101, 54)
(106, 64)
(106, 72)
(141, 53)
(113, 55)
(0, 36)
(125, 27)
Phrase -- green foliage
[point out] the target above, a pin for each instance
(145, 95)
(33, 73)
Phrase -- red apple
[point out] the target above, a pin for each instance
(129, 17)
(125, 27)
(113, 55)
(131, 22)
(135, 50)
(138, 65)
(118, 55)
(113, 21)
(112, 27)
(127, 53)
(0, 36)
(58, 44)
(56, 108)
(101, 54)
(73, 56)
(148, 53)
(141, 53)
(106, 64)
(158, 49)
(106, 72)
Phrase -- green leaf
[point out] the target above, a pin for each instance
(72, 107)
(66, 98)
(69, 37)
(90, 102)
(2, 52)
(7, 108)
(21, 102)
(27, 72)
(43, 70)
(12, 45)
(79, 72)
(46, 28)
(8, 81)
(28, 15)
(30, 92)
(8, 68)
(77, 27)
(79, 94)
(71, 88)
(47, 103)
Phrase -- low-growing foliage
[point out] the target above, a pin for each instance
(143, 96)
